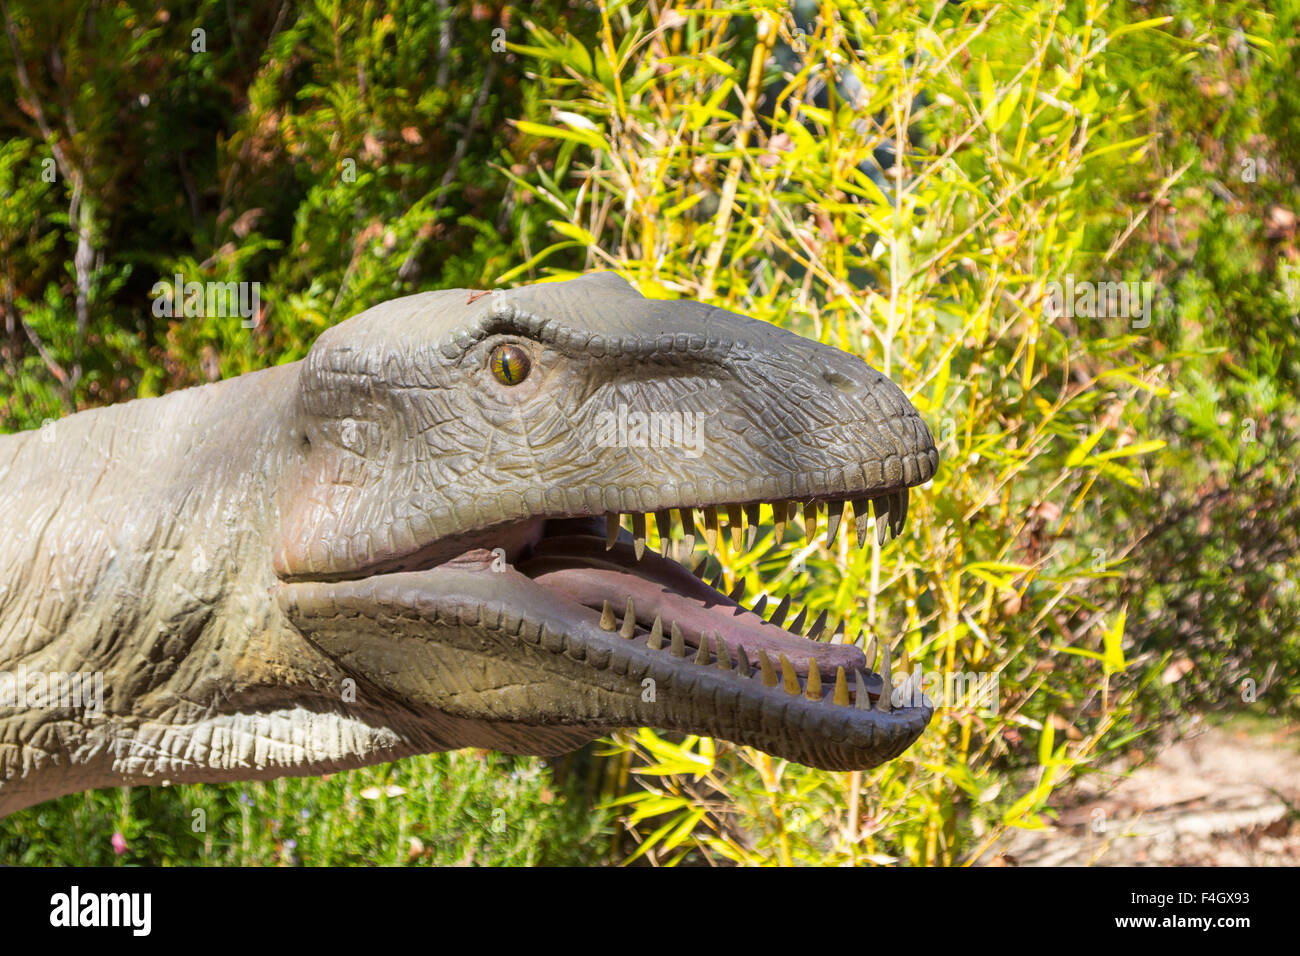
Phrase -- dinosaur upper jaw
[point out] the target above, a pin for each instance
(551, 624)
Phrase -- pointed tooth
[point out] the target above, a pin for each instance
(664, 525)
(788, 677)
(678, 646)
(780, 515)
(628, 629)
(862, 698)
(702, 655)
(607, 618)
(886, 689)
(765, 664)
(638, 534)
(736, 521)
(870, 651)
(761, 606)
(742, 662)
(834, 512)
(841, 688)
(809, 521)
(752, 517)
(656, 640)
(687, 517)
(838, 636)
(819, 625)
(612, 528)
(814, 691)
(699, 568)
(720, 650)
(782, 609)
(797, 626)
(711, 527)
(861, 511)
(717, 581)
(898, 511)
(738, 591)
(880, 507)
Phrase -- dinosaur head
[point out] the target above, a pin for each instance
(451, 529)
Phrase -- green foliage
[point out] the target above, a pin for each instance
(1215, 590)
(463, 808)
(336, 155)
(1023, 137)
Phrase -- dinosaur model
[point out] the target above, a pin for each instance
(412, 540)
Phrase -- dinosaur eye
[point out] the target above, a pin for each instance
(510, 364)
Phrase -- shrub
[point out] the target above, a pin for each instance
(921, 186)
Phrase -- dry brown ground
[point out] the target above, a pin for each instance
(1219, 796)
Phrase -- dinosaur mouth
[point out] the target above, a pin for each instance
(582, 604)
(649, 599)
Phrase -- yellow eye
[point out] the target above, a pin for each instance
(510, 364)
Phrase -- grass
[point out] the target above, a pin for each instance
(463, 808)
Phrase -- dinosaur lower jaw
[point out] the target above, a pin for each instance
(657, 602)
(810, 697)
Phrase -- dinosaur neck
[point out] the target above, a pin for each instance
(120, 517)
(134, 545)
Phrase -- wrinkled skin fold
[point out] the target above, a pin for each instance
(432, 533)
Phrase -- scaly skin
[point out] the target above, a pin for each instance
(385, 550)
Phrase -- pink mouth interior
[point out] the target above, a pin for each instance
(579, 567)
